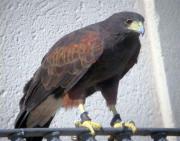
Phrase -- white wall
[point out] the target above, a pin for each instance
(29, 28)
(169, 31)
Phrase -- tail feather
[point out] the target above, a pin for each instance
(21, 123)
(21, 120)
(39, 138)
(23, 116)
(38, 105)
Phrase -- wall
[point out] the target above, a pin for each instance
(169, 32)
(29, 28)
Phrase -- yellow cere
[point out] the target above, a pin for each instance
(136, 26)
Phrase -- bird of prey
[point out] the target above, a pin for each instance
(82, 62)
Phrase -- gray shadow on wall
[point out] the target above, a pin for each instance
(169, 31)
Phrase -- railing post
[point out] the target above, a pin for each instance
(17, 137)
(54, 136)
(81, 134)
(121, 137)
(159, 137)
(83, 137)
(87, 137)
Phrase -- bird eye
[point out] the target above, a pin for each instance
(129, 21)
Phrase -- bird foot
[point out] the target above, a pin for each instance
(90, 125)
(129, 124)
(120, 124)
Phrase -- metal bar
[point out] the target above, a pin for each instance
(120, 137)
(159, 137)
(17, 139)
(54, 136)
(34, 132)
(17, 136)
(86, 137)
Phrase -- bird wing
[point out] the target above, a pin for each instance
(64, 65)
(69, 63)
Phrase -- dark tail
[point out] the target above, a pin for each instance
(22, 117)
(21, 123)
(23, 114)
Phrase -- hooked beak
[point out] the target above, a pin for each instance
(137, 26)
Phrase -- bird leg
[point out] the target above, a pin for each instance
(86, 121)
(116, 121)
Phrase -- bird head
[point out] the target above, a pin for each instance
(127, 22)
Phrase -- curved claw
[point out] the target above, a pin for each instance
(129, 124)
(90, 125)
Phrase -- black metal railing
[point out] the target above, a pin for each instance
(82, 134)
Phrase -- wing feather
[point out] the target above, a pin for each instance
(69, 63)
(63, 66)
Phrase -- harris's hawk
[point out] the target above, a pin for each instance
(87, 60)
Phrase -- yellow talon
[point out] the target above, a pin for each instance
(118, 125)
(90, 125)
(130, 124)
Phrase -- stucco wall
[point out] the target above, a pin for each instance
(29, 28)
(169, 31)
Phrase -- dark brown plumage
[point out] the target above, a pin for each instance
(92, 58)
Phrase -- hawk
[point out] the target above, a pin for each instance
(93, 58)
